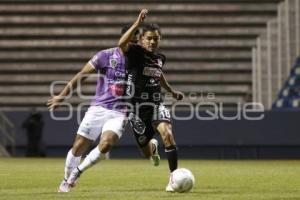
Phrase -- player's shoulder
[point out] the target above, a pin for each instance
(106, 54)
(110, 51)
(103, 57)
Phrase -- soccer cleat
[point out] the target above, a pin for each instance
(64, 186)
(169, 186)
(73, 178)
(155, 158)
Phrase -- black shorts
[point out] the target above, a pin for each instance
(151, 116)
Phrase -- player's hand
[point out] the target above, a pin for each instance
(54, 102)
(142, 16)
(177, 95)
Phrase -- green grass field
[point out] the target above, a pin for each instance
(138, 180)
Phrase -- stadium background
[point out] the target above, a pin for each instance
(239, 50)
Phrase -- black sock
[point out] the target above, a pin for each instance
(172, 156)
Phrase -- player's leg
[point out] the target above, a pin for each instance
(112, 131)
(80, 145)
(165, 131)
(162, 124)
(150, 150)
(155, 158)
(88, 131)
(108, 139)
(143, 133)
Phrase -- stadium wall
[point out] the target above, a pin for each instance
(275, 136)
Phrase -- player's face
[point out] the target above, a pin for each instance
(150, 40)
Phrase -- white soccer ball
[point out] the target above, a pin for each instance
(182, 180)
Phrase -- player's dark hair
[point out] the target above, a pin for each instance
(126, 27)
(151, 27)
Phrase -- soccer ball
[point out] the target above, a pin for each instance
(182, 180)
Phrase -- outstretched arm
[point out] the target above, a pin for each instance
(72, 84)
(164, 83)
(123, 42)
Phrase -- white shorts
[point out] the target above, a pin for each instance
(98, 120)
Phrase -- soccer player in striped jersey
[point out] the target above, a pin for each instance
(145, 74)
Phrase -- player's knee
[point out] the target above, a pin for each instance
(80, 146)
(105, 145)
(167, 136)
(77, 150)
(165, 131)
(168, 139)
(107, 141)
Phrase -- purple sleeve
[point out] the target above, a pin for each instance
(99, 61)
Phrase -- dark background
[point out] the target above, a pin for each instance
(276, 136)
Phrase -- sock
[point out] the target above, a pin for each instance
(172, 156)
(90, 159)
(71, 163)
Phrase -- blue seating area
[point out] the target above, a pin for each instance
(289, 95)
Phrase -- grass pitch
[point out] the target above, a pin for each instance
(38, 179)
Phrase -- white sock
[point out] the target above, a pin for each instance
(71, 163)
(90, 159)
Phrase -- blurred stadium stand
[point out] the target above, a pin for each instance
(240, 50)
(274, 55)
(208, 44)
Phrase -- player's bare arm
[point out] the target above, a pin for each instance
(72, 84)
(126, 37)
(164, 83)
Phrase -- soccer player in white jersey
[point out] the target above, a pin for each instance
(102, 117)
